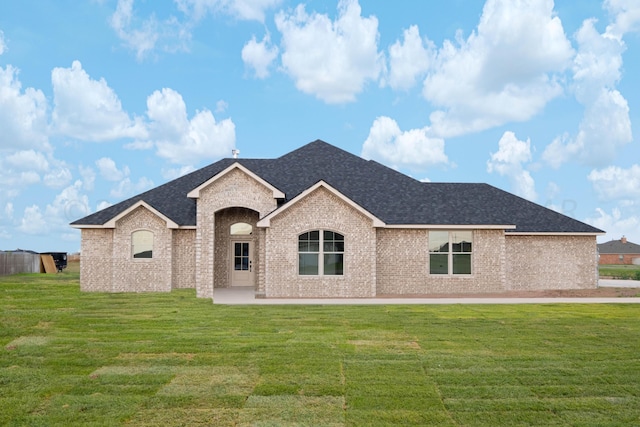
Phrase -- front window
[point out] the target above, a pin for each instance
(321, 253)
(450, 252)
(142, 244)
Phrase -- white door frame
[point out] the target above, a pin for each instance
(245, 274)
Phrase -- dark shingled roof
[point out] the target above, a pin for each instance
(618, 247)
(389, 195)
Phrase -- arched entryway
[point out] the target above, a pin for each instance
(236, 248)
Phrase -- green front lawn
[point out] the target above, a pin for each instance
(68, 358)
(631, 272)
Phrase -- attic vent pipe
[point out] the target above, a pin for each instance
(235, 153)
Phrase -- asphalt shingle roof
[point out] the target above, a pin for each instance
(387, 194)
(618, 247)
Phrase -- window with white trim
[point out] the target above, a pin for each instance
(450, 252)
(321, 253)
(142, 244)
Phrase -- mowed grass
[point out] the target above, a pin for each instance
(620, 271)
(71, 358)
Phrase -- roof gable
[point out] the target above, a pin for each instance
(195, 193)
(266, 221)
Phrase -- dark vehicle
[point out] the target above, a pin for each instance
(60, 258)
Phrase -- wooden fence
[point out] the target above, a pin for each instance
(19, 262)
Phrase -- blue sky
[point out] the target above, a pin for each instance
(101, 100)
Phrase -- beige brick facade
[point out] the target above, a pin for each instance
(96, 265)
(403, 264)
(377, 260)
(320, 210)
(234, 189)
(184, 259)
(551, 262)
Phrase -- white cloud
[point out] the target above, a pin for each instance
(3, 44)
(250, 10)
(27, 160)
(412, 148)
(221, 106)
(627, 17)
(503, 72)
(616, 224)
(605, 126)
(33, 221)
(23, 114)
(8, 210)
(88, 177)
(144, 36)
(127, 188)
(615, 183)
(185, 141)
(58, 177)
(109, 171)
(174, 173)
(409, 59)
(332, 60)
(259, 55)
(89, 109)
(508, 161)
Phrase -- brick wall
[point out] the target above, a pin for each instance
(551, 262)
(141, 275)
(183, 259)
(95, 260)
(235, 189)
(324, 211)
(403, 264)
(614, 259)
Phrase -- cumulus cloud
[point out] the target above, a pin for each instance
(109, 171)
(615, 183)
(144, 35)
(332, 60)
(616, 224)
(413, 148)
(250, 10)
(504, 71)
(126, 187)
(182, 140)
(409, 59)
(627, 17)
(23, 114)
(509, 161)
(89, 109)
(27, 159)
(33, 222)
(605, 126)
(259, 55)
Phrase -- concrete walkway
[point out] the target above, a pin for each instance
(246, 296)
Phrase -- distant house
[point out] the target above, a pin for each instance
(619, 252)
(321, 222)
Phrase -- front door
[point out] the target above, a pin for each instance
(242, 263)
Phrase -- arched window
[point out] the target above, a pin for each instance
(321, 253)
(241, 229)
(142, 244)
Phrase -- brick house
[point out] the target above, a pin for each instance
(619, 252)
(321, 222)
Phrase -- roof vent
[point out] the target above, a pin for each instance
(235, 153)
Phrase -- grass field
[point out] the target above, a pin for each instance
(620, 271)
(68, 358)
